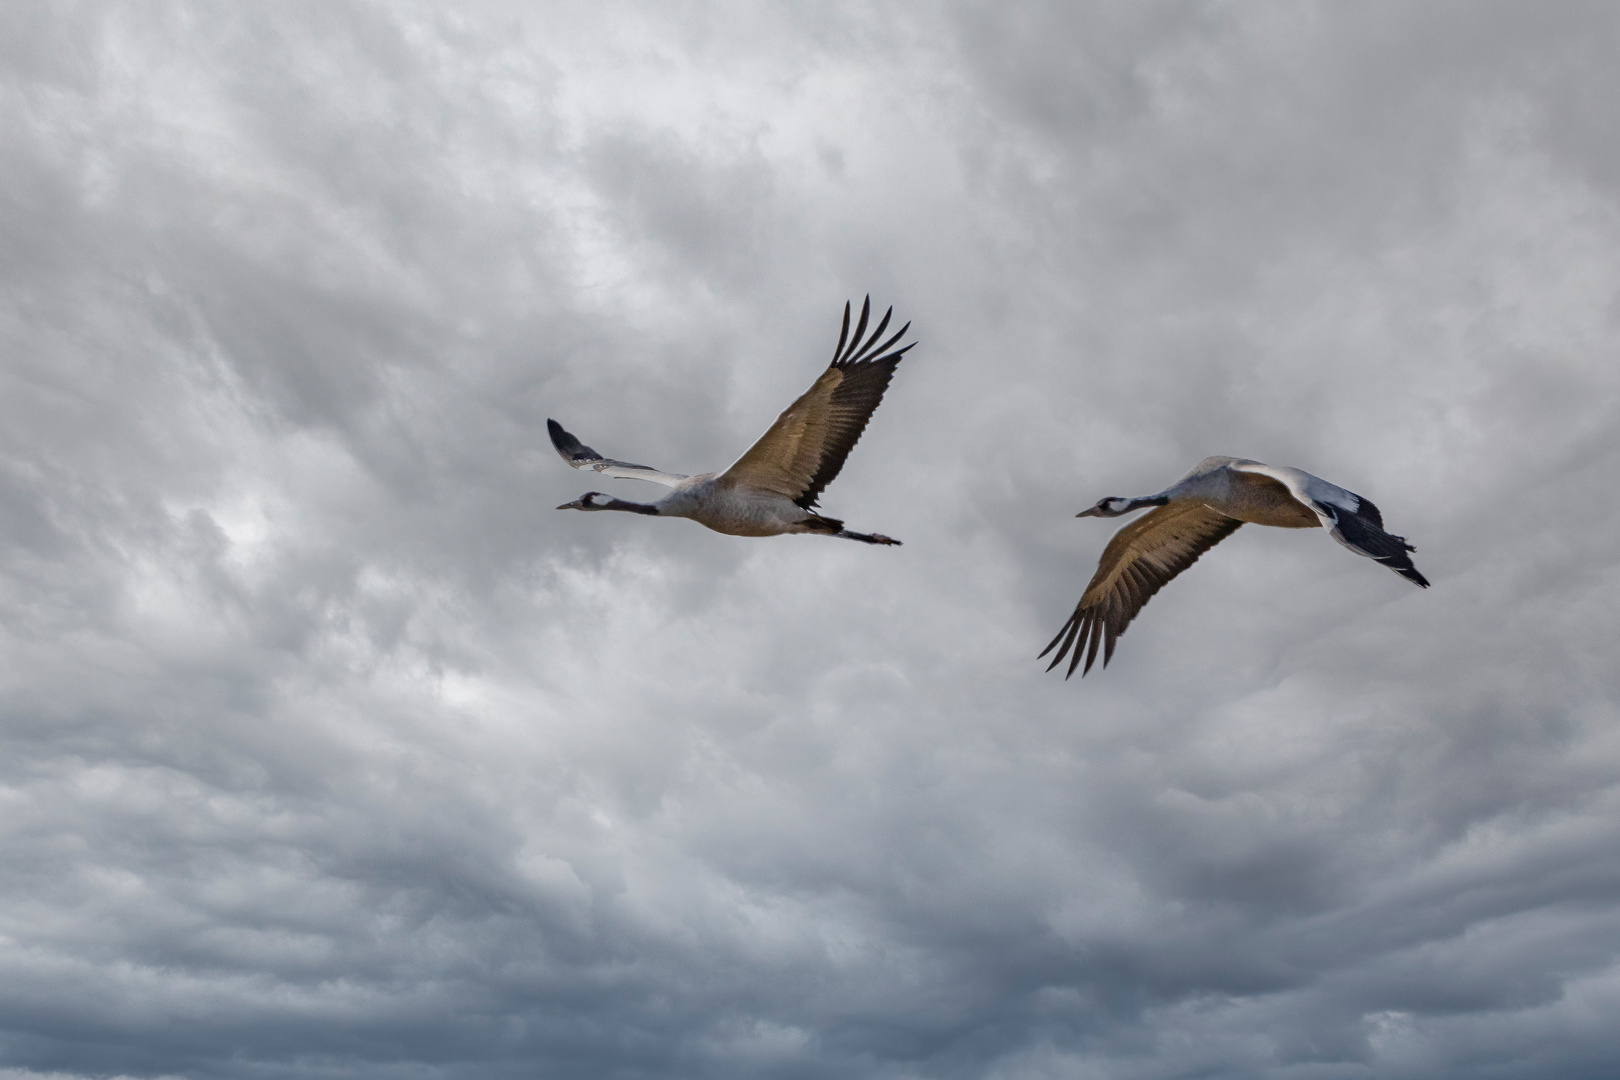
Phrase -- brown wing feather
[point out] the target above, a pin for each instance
(1140, 559)
(806, 447)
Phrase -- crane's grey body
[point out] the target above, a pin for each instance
(726, 508)
(1218, 483)
(1211, 502)
(773, 488)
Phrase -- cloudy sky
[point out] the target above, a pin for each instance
(328, 748)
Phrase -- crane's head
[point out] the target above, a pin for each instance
(1113, 506)
(587, 501)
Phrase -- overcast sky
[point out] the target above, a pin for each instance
(328, 748)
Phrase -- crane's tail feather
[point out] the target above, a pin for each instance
(1362, 532)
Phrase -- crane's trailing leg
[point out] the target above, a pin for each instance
(833, 527)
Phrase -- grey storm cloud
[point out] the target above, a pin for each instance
(328, 748)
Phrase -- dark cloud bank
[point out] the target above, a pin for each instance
(329, 749)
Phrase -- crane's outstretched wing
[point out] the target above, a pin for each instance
(1350, 519)
(581, 456)
(803, 451)
(1137, 563)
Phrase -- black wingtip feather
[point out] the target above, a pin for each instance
(860, 331)
(881, 352)
(859, 346)
(1065, 635)
(861, 352)
(568, 446)
(1052, 643)
(1078, 636)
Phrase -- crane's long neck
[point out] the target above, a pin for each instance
(629, 507)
